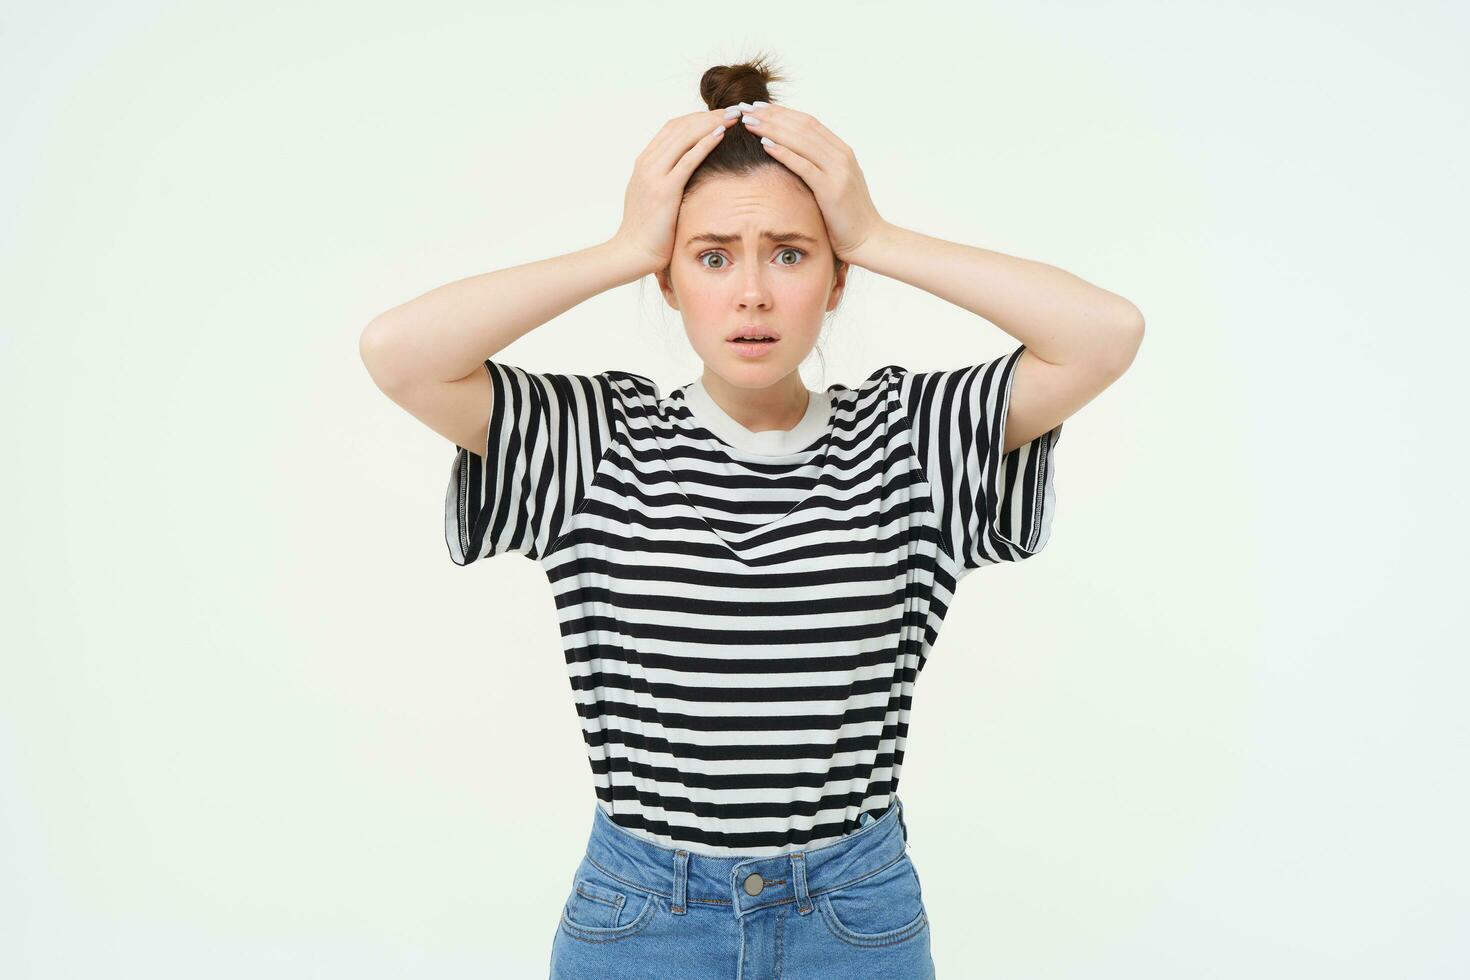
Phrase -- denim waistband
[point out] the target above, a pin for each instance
(687, 877)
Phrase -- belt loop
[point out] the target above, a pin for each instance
(681, 882)
(798, 877)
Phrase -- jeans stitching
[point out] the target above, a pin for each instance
(586, 935)
(625, 881)
(890, 938)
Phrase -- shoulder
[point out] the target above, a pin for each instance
(889, 378)
(880, 377)
(630, 386)
(632, 398)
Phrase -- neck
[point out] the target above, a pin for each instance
(781, 406)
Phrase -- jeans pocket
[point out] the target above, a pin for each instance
(601, 909)
(884, 908)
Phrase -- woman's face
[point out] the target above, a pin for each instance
(751, 254)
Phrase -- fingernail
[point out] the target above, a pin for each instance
(750, 119)
(744, 105)
(732, 112)
(768, 141)
(717, 130)
(760, 104)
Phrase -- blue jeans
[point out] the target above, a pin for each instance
(850, 909)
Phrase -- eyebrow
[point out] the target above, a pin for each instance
(712, 238)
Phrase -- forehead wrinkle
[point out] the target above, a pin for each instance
(741, 202)
(730, 238)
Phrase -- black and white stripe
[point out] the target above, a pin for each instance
(743, 631)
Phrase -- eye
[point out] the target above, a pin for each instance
(789, 248)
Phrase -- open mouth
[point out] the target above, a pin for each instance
(753, 345)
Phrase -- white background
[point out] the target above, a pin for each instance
(254, 722)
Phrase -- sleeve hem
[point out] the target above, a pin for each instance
(1019, 484)
(462, 508)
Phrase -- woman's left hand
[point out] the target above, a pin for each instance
(829, 168)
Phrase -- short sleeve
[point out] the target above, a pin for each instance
(546, 435)
(991, 506)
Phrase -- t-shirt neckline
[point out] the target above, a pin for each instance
(773, 442)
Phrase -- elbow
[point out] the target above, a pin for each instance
(374, 347)
(1131, 323)
(1129, 339)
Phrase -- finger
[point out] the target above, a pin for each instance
(683, 133)
(796, 134)
(797, 163)
(790, 119)
(667, 133)
(829, 136)
(692, 157)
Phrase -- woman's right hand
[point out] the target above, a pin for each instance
(651, 202)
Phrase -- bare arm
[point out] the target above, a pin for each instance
(428, 355)
(1079, 338)
(447, 333)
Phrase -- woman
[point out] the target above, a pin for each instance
(750, 575)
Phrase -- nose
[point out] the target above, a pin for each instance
(753, 292)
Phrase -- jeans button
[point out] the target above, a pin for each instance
(754, 884)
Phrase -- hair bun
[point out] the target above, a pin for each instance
(749, 81)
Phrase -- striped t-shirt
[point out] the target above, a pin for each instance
(744, 614)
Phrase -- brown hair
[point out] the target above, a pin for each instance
(739, 151)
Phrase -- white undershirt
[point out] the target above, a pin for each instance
(773, 442)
